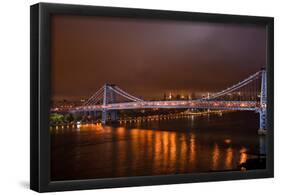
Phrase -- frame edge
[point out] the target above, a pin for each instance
(34, 139)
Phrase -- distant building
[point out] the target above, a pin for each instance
(170, 96)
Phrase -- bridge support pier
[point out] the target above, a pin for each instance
(262, 145)
(106, 114)
(113, 116)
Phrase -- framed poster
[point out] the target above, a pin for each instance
(131, 97)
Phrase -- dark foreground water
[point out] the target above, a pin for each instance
(194, 144)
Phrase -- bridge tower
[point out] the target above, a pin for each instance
(263, 103)
(108, 97)
(104, 111)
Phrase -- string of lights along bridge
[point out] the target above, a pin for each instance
(247, 95)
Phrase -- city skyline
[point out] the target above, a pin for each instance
(150, 58)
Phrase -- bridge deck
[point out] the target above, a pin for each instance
(192, 104)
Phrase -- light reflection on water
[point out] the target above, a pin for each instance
(96, 151)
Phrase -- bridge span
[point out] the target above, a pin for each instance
(246, 98)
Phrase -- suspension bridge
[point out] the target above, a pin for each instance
(246, 95)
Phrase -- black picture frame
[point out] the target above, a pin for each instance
(40, 97)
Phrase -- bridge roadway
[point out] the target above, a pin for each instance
(190, 104)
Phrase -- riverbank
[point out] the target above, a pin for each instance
(139, 119)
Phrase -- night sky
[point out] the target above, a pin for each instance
(148, 58)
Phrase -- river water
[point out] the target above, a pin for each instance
(194, 144)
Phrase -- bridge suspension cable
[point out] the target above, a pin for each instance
(99, 95)
(110, 93)
(234, 87)
(93, 98)
(123, 93)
